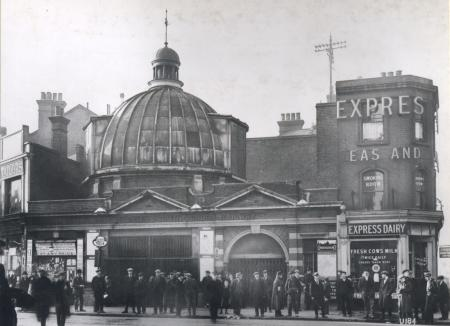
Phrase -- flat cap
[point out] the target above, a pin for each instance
(130, 269)
(316, 274)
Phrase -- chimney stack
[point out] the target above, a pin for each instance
(290, 123)
(108, 109)
(49, 105)
(391, 74)
(59, 134)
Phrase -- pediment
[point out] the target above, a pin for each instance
(255, 196)
(150, 201)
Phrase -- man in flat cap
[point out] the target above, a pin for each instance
(157, 289)
(258, 294)
(99, 288)
(237, 295)
(78, 285)
(431, 291)
(292, 289)
(344, 293)
(128, 290)
(317, 293)
(190, 293)
(387, 287)
(367, 288)
(268, 285)
(442, 297)
(404, 291)
(140, 293)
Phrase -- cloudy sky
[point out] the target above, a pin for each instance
(252, 59)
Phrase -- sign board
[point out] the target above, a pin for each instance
(80, 254)
(373, 256)
(90, 248)
(326, 245)
(11, 169)
(377, 229)
(444, 252)
(29, 264)
(56, 248)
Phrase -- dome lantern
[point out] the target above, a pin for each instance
(166, 65)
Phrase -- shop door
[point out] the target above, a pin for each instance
(418, 258)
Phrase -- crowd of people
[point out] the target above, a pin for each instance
(224, 292)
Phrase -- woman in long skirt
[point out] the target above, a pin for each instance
(278, 294)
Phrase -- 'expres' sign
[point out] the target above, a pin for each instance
(376, 229)
(364, 107)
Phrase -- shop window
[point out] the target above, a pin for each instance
(419, 181)
(418, 127)
(373, 128)
(373, 190)
(13, 196)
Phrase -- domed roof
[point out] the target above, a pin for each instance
(167, 54)
(163, 126)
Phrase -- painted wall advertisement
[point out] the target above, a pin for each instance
(374, 257)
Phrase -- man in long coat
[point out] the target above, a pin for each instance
(213, 293)
(308, 280)
(430, 297)
(387, 287)
(78, 285)
(158, 287)
(258, 294)
(179, 293)
(268, 284)
(316, 291)
(237, 294)
(442, 297)
(292, 289)
(367, 289)
(190, 293)
(63, 296)
(278, 294)
(140, 293)
(344, 293)
(43, 291)
(99, 288)
(128, 291)
(404, 290)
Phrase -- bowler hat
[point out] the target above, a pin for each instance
(440, 277)
(130, 269)
(316, 274)
(405, 271)
(256, 273)
(265, 271)
(427, 274)
(384, 272)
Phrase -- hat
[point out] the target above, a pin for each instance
(130, 269)
(140, 274)
(208, 272)
(296, 271)
(79, 271)
(41, 270)
(427, 274)
(316, 274)
(343, 272)
(384, 272)
(440, 277)
(62, 274)
(188, 274)
(157, 271)
(265, 271)
(405, 270)
(25, 273)
(98, 270)
(256, 273)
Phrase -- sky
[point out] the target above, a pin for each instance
(252, 59)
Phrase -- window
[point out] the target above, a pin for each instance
(373, 128)
(13, 196)
(419, 189)
(418, 127)
(373, 190)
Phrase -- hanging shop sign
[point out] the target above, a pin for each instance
(100, 241)
(326, 245)
(377, 229)
(56, 248)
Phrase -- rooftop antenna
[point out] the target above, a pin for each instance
(166, 22)
(329, 49)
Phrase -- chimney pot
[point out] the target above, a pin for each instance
(108, 109)
(55, 96)
(383, 74)
(282, 117)
(87, 105)
(398, 73)
(59, 96)
(390, 73)
(42, 95)
(297, 116)
(49, 96)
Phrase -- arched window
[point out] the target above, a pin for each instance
(419, 181)
(373, 190)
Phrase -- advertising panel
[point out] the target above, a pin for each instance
(373, 256)
(56, 248)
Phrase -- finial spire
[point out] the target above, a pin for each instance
(166, 23)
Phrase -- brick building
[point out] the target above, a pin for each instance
(172, 184)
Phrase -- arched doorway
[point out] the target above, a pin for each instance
(256, 252)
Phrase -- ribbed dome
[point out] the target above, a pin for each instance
(168, 54)
(160, 127)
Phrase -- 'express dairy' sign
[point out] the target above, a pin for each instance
(377, 229)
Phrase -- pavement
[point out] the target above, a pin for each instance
(114, 316)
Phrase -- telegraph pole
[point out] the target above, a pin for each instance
(329, 49)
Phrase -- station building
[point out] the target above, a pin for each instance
(172, 184)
